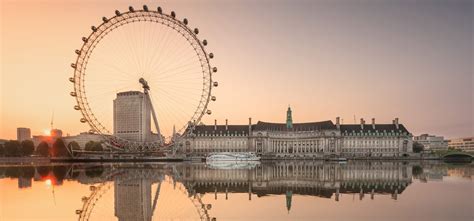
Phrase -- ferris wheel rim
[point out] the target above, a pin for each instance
(121, 19)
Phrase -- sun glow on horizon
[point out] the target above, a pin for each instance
(47, 132)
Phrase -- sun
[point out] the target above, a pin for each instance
(47, 132)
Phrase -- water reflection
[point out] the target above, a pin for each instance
(157, 191)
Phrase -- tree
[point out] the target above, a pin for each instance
(27, 147)
(73, 146)
(418, 147)
(93, 146)
(89, 145)
(2, 150)
(43, 149)
(12, 148)
(59, 149)
(98, 146)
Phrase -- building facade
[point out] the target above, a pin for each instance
(83, 138)
(313, 139)
(23, 134)
(132, 116)
(464, 144)
(431, 142)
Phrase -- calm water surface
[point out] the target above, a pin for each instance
(284, 190)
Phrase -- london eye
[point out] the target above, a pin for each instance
(141, 78)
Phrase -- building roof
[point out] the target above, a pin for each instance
(209, 129)
(322, 125)
(349, 128)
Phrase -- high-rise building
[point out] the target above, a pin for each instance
(132, 116)
(23, 134)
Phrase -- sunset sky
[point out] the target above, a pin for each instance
(411, 59)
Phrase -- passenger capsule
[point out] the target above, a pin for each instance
(71, 79)
(211, 55)
(213, 98)
(209, 112)
(173, 14)
(78, 211)
(214, 69)
(76, 107)
(204, 42)
(73, 65)
(94, 29)
(73, 94)
(92, 131)
(215, 84)
(91, 188)
(145, 8)
(130, 8)
(85, 198)
(104, 19)
(196, 31)
(117, 12)
(208, 206)
(83, 120)
(84, 39)
(185, 21)
(160, 10)
(77, 52)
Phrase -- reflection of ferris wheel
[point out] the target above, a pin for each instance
(97, 206)
(146, 62)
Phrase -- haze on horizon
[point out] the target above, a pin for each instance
(400, 58)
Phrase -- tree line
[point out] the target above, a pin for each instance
(25, 148)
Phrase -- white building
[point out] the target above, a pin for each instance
(23, 134)
(132, 116)
(314, 139)
(464, 144)
(431, 142)
(83, 138)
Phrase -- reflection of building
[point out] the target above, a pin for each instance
(24, 182)
(465, 144)
(315, 139)
(314, 178)
(133, 199)
(431, 142)
(82, 139)
(132, 116)
(23, 134)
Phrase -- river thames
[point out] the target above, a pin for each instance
(280, 190)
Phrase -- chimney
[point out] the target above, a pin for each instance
(362, 122)
(338, 124)
(396, 122)
(373, 123)
(226, 127)
(215, 124)
(250, 125)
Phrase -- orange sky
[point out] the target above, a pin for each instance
(324, 58)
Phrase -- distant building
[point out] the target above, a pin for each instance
(431, 142)
(132, 116)
(37, 139)
(56, 133)
(83, 138)
(313, 139)
(464, 144)
(23, 134)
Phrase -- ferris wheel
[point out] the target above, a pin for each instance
(141, 78)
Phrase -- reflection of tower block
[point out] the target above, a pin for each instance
(133, 199)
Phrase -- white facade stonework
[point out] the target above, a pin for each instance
(313, 140)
